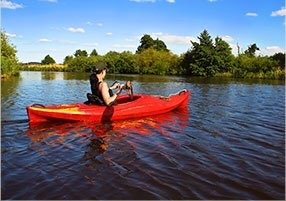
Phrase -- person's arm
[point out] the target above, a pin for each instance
(105, 94)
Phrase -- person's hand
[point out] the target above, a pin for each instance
(119, 91)
(117, 85)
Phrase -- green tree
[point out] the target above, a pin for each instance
(251, 50)
(82, 53)
(280, 58)
(111, 58)
(248, 66)
(9, 61)
(160, 45)
(207, 58)
(223, 55)
(48, 60)
(93, 53)
(68, 59)
(126, 63)
(151, 61)
(148, 42)
(79, 64)
(7, 50)
(202, 56)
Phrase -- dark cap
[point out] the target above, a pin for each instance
(99, 67)
(99, 70)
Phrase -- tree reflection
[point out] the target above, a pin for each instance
(48, 75)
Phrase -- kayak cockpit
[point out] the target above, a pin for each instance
(127, 99)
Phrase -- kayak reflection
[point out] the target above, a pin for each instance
(98, 136)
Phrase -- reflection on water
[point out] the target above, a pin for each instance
(9, 87)
(75, 76)
(222, 80)
(49, 75)
(38, 132)
(229, 144)
(9, 94)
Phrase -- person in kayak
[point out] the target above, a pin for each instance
(101, 93)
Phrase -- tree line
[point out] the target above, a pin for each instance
(207, 57)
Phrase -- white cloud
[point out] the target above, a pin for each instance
(9, 5)
(108, 33)
(11, 35)
(227, 38)
(281, 12)
(251, 14)
(170, 1)
(90, 44)
(93, 23)
(45, 40)
(157, 34)
(270, 50)
(174, 39)
(212, 1)
(76, 30)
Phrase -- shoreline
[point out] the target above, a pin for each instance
(270, 75)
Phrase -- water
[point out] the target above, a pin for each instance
(228, 144)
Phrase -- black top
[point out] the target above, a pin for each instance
(94, 84)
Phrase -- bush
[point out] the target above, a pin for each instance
(156, 62)
(9, 61)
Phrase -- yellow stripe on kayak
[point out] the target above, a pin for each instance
(72, 110)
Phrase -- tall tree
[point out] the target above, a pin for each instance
(148, 42)
(48, 60)
(207, 58)
(93, 53)
(160, 45)
(82, 53)
(223, 55)
(202, 56)
(251, 50)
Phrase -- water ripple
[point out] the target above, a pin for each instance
(230, 144)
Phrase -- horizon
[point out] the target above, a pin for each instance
(60, 27)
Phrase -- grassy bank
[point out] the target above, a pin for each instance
(42, 67)
(276, 74)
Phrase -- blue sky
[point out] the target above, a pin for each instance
(60, 27)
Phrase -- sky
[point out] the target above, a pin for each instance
(60, 27)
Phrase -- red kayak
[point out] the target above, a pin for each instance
(140, 106)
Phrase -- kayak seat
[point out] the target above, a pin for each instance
(93, 100)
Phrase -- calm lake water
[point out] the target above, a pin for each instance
(228, 144)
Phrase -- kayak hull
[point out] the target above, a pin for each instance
(141, 106)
